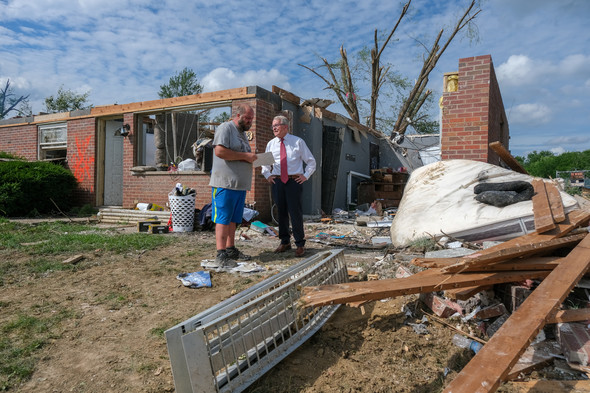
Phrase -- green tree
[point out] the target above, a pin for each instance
(545, 163)
(184, 83)
(66, 101)
(10, 102)
(221, 118)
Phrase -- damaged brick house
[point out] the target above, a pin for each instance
(112, 150)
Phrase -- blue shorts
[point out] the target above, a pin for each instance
(227, 205)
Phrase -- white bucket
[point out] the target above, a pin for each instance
(183, 212)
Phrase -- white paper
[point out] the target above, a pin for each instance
(264, 159)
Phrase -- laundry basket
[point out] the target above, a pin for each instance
(183, 212)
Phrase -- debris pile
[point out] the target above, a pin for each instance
(533, 275)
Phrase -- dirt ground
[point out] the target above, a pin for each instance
(121, 305)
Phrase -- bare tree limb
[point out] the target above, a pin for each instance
(416, 99)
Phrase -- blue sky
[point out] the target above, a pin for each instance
(121, 51)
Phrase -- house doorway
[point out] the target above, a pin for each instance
(331, 148)
(113, 163)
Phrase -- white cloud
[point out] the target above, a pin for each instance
(519, 70)
(557, 150)
(224, 78)
(530, 114)
(569, 140)
(575, 65)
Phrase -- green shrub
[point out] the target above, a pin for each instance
(30, 187)
(9, 156)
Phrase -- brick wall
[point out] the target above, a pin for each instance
(81, 158)
(20, 141)
(260, 193)
(473, 116)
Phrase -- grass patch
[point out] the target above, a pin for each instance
(21, 338)
(114, 301)
(424, 244)
(63, 237)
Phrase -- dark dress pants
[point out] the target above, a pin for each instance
(287, 196)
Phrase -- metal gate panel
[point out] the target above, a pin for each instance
(227, 347)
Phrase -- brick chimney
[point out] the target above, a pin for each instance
(472, 112)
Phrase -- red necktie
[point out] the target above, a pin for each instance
(284, 169)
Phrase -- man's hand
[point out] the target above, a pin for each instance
(271, 179)
(300, 179)
(232, 155)
(249, 157)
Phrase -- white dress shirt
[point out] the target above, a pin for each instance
(297, 154)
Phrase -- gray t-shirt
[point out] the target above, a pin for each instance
(234, 175)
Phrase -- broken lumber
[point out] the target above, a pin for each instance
(541, 208)
(491, 365)
(543, 386)
(577, 315)
(465, 293)
(573, 220)
(555, 202)
(73, 260)
(508, 159)
(476, 261)
(431, 280)
(533, 263)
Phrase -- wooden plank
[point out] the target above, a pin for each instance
(543, 386)
(541, 208)
(573, 220)
(73, 260)
(173, 102)
(508, 159)
(577, 315)
(465, 293)
(538, 263)
(476, 261)
(555, 202)
(426, 281)
(533, 263)
(286, 95)
(490, 366)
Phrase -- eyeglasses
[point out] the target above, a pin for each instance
(278, 125)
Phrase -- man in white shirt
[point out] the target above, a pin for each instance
(287, 176)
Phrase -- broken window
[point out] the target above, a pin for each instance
(53, 139)
(170, 137)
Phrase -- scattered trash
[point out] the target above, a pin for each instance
(242, 267)
(381, 239)
(196, 279)
(149, 207)
(249, 214)
(419, 328)
(464, 342)
(73, 260)
(188, 165)
(181, 190)
(258, 226)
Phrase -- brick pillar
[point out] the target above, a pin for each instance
(262, 133)
(473, 115)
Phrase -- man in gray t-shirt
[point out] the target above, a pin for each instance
(231, 177)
